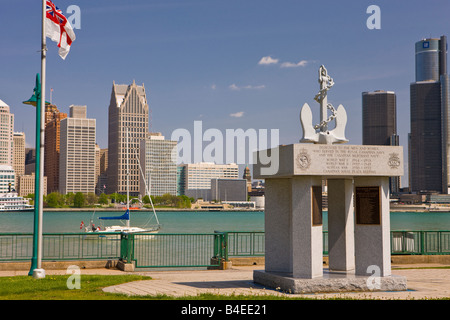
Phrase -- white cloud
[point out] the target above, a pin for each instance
(248, 87)
(234, 87)
(255, 87)
(268, 60)
(301, 63)
(237, 114)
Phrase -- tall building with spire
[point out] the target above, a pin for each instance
(430, 126)
(128, 113)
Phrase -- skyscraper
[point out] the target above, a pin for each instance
(429, 137)
(6, 135)
(199, 175)
(102, 179)
(53, 119)
(196, 177)
(19, 156)
(157, 160)
(379, 114)
(77, 157)
(128, 112)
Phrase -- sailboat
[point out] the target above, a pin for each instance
(126, 216)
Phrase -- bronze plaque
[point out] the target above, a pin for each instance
(316, 194)
(368, 210)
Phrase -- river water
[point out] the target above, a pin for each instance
(196, 222)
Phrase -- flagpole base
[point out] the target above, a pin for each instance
(33, 266)
(38, 273)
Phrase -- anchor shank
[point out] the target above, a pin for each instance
(323, 109)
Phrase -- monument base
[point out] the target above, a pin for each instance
(330, 282)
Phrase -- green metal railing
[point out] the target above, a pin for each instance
(149, 250)
(420, 242)
(243, 243)
(247, 244)
(61, 246)
(167, 250)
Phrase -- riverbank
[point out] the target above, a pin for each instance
(107, 209)
(393, 208)
(419, 208)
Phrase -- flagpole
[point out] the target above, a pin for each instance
(39, 272)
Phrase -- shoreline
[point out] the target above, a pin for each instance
(156, 209)
(393, 208)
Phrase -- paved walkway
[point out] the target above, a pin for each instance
(422, 283)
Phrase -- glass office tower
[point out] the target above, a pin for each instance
(380, 123)
(429, 137)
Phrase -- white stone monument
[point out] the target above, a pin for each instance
(357, 179)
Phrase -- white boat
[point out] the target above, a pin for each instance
(11, 201)
(126, 216)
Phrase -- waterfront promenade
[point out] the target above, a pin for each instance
(422, 283)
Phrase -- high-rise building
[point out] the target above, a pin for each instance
(19, 156)
(30, 159)
(157, 158)
(6, 135)
(27, 183)
(181, 183)
(19, 152)
(379, 117)
(229, 190)
(199, 175)
(53, 119)
(379, 125)
(7, 179)
(430, 133)
(77, 156)
(102, 179)
(127, 126)
(97, 166)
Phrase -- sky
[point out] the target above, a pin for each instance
(248, 64)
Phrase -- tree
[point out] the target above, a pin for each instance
(54, 200)
(117, 197)
(78, 200)
(91, 198)
(103, 199)
(184, 201)
(69, 198)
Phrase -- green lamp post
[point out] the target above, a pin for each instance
(36, 259)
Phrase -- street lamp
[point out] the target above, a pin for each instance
(36, 260)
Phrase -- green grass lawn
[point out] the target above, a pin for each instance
(54, 287)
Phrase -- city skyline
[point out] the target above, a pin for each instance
(231, 65)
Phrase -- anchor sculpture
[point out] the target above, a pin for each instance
(320, 133)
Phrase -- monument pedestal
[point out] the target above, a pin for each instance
(357, 179)
(330, 282)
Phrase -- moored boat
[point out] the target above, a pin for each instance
(11, 201)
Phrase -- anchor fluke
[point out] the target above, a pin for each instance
(309, 133)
